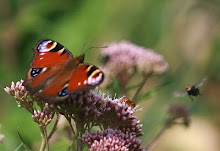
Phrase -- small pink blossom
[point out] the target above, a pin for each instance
(43, 118)
(113, 140)
(125, 57)
(94, 107)
(18, 91)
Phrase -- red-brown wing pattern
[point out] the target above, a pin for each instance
(54, 85)
(69, 81)
(49, 61)
(85, 76)
(49, 53)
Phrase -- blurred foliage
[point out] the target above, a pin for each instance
(185, 32)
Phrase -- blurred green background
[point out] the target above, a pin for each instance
(186, 33)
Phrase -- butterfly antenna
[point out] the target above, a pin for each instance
(95, 47)
(83, 48)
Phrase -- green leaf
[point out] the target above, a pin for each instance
(154, 92)
(22, 144)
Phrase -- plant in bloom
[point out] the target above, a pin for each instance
(124, 58)
(86, 108)
(111, 139)
(43, 118)
(178, 114)
(18, 91)
(89, 110)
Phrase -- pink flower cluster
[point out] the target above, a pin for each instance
(17, 90)
(118, 115)
(89, 108)
(113, 140)
(125, 57)
(43, 118)
(93, 107)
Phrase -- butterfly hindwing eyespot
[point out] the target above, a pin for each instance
(63, 92)
(35, 71)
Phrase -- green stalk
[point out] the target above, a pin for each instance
(146, 77)
(155, 140)
(43, 143)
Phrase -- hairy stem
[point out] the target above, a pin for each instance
(155, 140)
(69, 121)
(43, 143)
(45, 135)
(146, 77)
(80, 130)
(54, 127)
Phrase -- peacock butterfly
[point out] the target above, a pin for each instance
(54, 73)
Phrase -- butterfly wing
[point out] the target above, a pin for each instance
(48, 69)
(54, 73)
(49, 53)
(85, 76)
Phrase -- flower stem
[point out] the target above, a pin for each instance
(17, 148)
(69, 121)
(79, 132)
(146, 77)
(54, 127)
(43, 143)
(155, 140)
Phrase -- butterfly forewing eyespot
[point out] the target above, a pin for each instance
(58, 47)
(95, 77)
(46, 46)
(51, 46)
(91, 70)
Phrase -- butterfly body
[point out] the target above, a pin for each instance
(54, 73)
